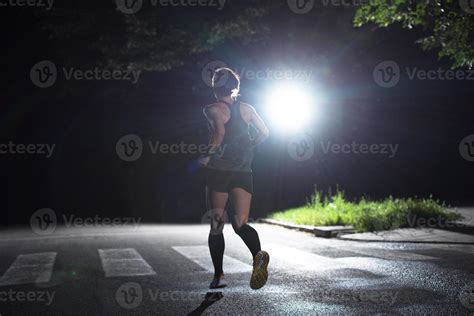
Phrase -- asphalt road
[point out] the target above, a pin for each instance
(166, 270)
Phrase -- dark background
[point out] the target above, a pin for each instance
(428, 119)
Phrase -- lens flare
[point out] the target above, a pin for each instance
(290, 107)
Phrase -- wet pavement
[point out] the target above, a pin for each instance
(166, 269)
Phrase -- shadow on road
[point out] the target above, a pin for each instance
(209, 299)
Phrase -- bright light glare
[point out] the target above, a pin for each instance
(290, 107)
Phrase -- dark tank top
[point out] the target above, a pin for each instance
(236, 150)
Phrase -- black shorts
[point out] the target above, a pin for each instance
(224, 180)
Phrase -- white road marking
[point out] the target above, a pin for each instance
(390, 254)
(124, 262)
(201, 256)
(30, 268)
(301, 260)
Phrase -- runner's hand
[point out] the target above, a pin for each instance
(203, 161)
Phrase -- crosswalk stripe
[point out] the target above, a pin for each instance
(390, 254)
(201, 256)
(303, 260)
(124, 262)
(30, 268)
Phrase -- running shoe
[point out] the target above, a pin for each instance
(218, 283)
(260, 272)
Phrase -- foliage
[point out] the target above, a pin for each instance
(446, 25)
(162, 38)
(366, 215)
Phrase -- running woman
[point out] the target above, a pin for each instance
(229, 173)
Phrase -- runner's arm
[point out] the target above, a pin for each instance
(257, 122)
(215, 118)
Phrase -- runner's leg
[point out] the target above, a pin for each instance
(241, 201)
(216, 203)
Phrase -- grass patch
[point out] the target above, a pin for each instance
(366, 215)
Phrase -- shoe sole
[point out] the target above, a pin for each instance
(260, 273)
(218, 287)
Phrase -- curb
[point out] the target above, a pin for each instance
(409, 241)
(304, 228)
(327, 232)
(319, 231)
